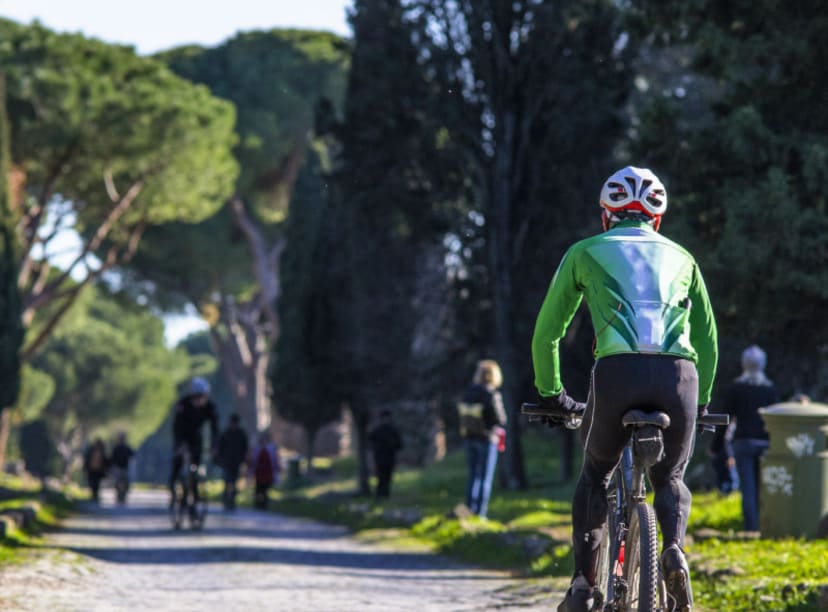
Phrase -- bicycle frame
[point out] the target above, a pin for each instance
(192, 501)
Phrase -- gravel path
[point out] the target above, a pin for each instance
(111, 558)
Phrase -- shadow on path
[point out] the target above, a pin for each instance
(249, 554)
(276, 532)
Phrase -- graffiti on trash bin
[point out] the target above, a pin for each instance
(801, 445)
(777, 480)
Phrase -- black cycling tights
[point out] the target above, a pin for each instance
(620, 383)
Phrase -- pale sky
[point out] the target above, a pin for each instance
(155, 25)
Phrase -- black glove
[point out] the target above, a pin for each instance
(562, 406)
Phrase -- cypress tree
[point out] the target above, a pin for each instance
(11, 326)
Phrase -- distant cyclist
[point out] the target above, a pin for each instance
(655, 347)
(191, 413)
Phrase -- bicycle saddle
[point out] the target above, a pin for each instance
(639, 418)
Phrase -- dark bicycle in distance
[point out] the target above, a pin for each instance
(189, 502)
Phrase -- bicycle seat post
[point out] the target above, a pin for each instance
(647, 444)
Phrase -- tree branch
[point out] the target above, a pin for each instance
(35, 300)
(265, 263)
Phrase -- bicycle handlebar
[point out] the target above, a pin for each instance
(714, 419)
(536, 412)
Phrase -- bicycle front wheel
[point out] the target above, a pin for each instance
(178, 505)
(641, 561)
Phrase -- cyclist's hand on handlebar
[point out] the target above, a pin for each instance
(703, 411)
(562, 405)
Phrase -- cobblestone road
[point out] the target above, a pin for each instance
(129, 559)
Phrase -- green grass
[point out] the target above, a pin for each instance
(528, 532)
(49, 508)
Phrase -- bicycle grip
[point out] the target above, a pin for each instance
(551, 417)
(713, 419)
(531, 409)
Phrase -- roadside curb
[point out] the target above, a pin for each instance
(22, 518)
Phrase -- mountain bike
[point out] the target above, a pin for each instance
(187, 502)
(628, 575)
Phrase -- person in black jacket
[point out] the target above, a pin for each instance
(386, 441)
(119, 460)
(231, 453)
(745, 395)
(95, 465)
(482, 419)
(192, 412)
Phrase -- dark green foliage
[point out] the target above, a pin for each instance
(390, 210)
(11, 327)
(748, 184)
(37, 448)
(397, 186)
(303, 367)
(531, 94)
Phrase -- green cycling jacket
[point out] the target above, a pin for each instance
(645, 294)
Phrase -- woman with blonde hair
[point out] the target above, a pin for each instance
(482, 419)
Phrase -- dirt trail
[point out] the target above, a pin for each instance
(111, 558)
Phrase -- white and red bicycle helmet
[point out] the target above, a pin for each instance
(633, 190)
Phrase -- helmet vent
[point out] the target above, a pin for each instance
(620, 192)
(644, 185)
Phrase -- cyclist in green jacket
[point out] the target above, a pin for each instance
(655, 346)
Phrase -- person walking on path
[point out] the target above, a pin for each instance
(743, 398)
(482, 419)
(231, 452)
(122, 454)
(386, 442)
(95, 464)
(265, 467)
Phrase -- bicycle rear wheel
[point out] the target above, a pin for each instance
(641, 561)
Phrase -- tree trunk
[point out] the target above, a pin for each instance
(310, 444)
(500, 263)
(242, 347)
(363, 473)
(5, 430)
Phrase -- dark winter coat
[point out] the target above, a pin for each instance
(232, 447)
(480, 410)
(190, 419)
(386, 442)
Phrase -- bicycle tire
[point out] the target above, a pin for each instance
(641, 561)
(178, 506)
(603, 570)
(197, 508)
